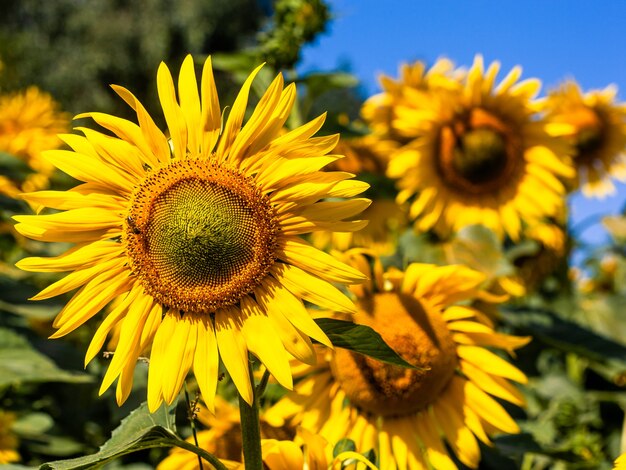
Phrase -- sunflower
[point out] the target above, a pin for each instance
(29, 124)
(379, 111)
(620, 462)
(8, 441)
(222, 437)
(367, 156)
(304, 451)
(199, 236)
(596, 126)
(478, 155)
(403, 413)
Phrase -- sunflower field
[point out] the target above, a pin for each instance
(212, 259)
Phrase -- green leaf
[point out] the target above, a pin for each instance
(32, 424)
(564, 334)
(20, 363)
(360, 339)
(13, 167)
(139, 430)
(522, 443)
(344, 445)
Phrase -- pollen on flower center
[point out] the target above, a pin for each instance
(420, 336)
(200, 236)
(477, 154)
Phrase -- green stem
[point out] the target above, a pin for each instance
(198, 451)
(191, 413)
(251, 429)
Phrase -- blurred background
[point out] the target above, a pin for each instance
(335, 50)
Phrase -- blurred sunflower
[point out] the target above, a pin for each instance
(478, 155)
(620, 462)
(198, 234)
(282, 448)
(29, 124)
(402, 413)
(551, 249)
(8, 441)
(596, 126)
(367, 157)
(379, 111)
(222, 437)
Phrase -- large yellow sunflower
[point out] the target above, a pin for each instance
(596, 126)
(29, 124)
(199, 235)
(478, 155)
(405, 414)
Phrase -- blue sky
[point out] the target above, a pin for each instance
(551, 39)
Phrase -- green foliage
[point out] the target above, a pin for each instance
(21, 363)
(76, 50)
(566, 335)
(294, 23)
(360, 339)
(140, 430)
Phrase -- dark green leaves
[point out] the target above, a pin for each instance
(20, 362)
(361, 339)
(563, 334)
(140, 430)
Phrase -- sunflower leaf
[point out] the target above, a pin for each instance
(344, 445)
(361, 339)
(560, 333)
(138, 431)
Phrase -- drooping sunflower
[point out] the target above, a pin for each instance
(404, 413)
(478, 155)
(198, 234)
(29, 124)
(596, 126)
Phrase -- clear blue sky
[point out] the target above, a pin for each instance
(551, 39)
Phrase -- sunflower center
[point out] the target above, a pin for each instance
(588, 141)
(480, 155)
(589, 137)
(477, 154)
(200, 236)
(420, 336)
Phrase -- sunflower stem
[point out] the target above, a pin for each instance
(251, 428)
(191, 411)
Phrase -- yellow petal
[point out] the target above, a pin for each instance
(233, 350)
(263, 341)
(190, 104)
(79, 257)
(303, 255)
(274, 297)
(173, 114)
(311, 288)
(206, 362)
(486, 360)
